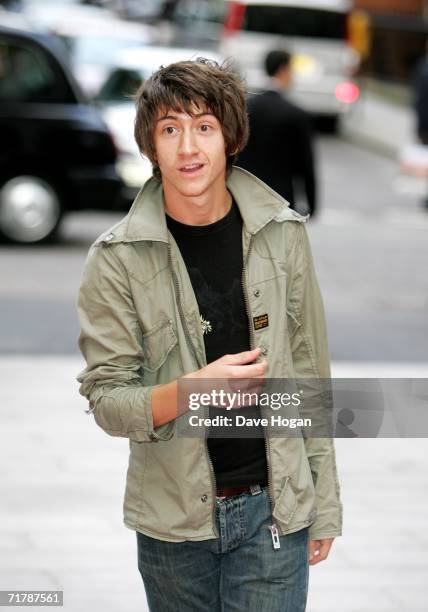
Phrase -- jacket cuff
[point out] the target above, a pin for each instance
(153, 434)
(127, 412)
(314, 534)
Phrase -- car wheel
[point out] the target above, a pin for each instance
(30, 209)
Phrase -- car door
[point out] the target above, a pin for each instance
(51, 138)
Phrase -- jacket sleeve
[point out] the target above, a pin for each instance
(311, 362)
(109, 342)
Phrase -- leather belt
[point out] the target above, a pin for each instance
(229, 491)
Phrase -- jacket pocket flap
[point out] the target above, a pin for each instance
(286, 503)
(292, 323)
(157, 344)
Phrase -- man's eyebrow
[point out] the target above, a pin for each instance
(175, 118)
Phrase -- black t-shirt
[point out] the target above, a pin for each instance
(213, 257)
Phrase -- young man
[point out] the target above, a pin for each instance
(209, 276)
(282, 127)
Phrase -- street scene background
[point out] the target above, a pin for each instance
(62, 478)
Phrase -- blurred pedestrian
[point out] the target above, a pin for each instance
(421, 106)
(421, 99)
(280, 149)
(167, 10)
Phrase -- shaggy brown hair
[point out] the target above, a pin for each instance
(181, 87)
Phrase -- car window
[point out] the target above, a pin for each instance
(25, 74)
(102, 50)
(293, 21)
(120, 86)
(187, 12)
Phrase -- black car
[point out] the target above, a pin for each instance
(56, 154)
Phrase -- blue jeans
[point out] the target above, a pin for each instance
(240, 571)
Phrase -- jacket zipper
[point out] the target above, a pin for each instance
(273, 527)
(213, 488)
(190, 343)
(180, 307)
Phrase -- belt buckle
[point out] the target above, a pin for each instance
(255, 489)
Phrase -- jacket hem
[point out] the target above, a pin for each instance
(296, 527)
(323, 535)
(168, 537)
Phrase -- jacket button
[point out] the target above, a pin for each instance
(204, 498)
(256, 292)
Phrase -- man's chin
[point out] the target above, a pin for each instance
(197, 187)
(192, 191)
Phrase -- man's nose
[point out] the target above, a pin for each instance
(188, 144)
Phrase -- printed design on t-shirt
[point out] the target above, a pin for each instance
(224, 308)
(206, 326)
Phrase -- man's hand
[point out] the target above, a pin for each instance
(238, 369)
(231, 373)
(319, 549)
(238, 365)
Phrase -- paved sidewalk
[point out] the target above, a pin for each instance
(62, 486)
(380, 125)
(62, 482)
(387, 127)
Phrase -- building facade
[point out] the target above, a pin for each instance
(398, 37)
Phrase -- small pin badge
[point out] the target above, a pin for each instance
(206, 326)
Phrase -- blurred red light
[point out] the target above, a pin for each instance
(234, 17)
(347, 92)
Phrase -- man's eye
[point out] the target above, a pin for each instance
(205, 127)
(169, 129)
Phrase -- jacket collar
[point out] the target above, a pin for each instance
(257, 203)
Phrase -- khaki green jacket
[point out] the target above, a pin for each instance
(140, 327)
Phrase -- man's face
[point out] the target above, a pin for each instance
(190, 152)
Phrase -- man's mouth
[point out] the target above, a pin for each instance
(190, 168)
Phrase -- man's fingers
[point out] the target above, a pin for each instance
(319, 550)
(241, 358)
(254, 370)
(249, 388)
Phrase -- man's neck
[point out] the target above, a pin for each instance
(198, 210)
(278, 85)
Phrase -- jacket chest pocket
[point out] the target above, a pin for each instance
(157, 343)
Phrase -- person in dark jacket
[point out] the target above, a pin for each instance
(421, 104)
(279, 149)
(421, 99)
